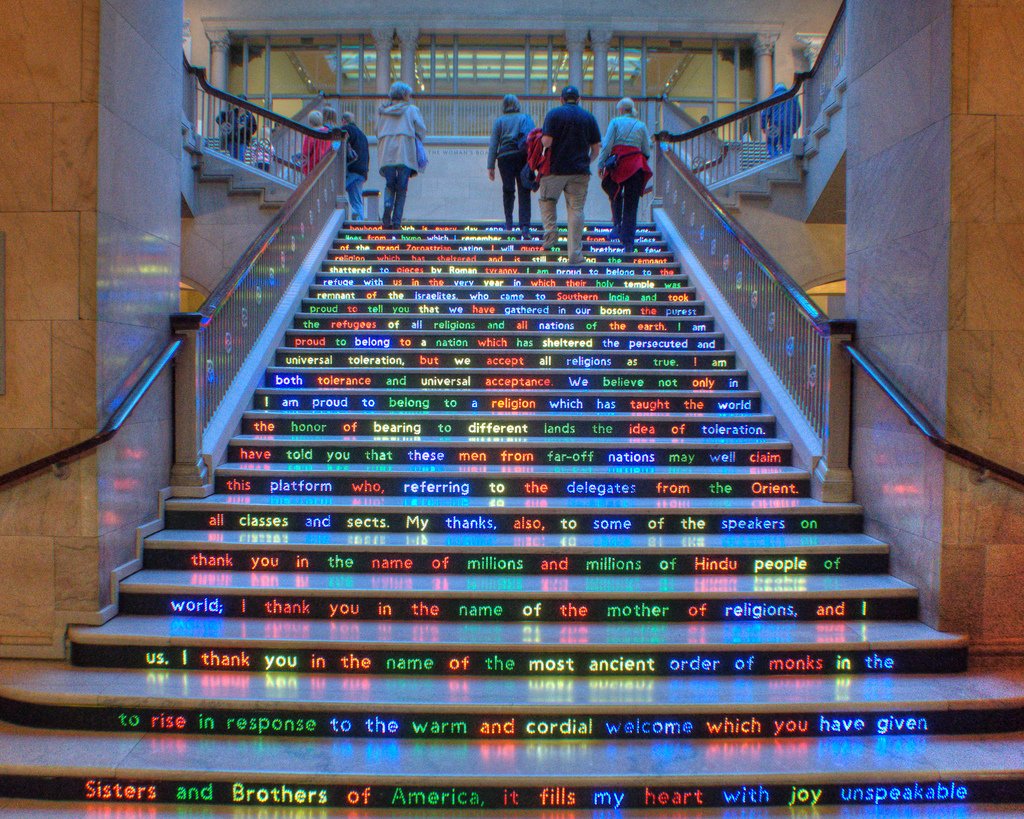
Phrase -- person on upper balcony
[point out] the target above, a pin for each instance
(313, 149)
(572, 138)
(780, 123)
(399, 126)
(622, 166)
(508, 147)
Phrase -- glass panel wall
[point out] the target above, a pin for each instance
(708, 77)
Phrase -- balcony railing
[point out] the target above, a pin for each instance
(801, 344)
(765, 132)
(466, 115)
(232, 127)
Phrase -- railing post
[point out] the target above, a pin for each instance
(833, 478)
(189, 472)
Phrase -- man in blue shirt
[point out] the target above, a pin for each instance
(572, 136)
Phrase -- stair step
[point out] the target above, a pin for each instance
(207, 703)
(560, 451)
(536, 649)
(624, 774)
(531, 363)
(566, 323)
(503, 401)
(526, 598)
(502, 379)
(516, 515)
(772, 557)
(318, 585)
(652, 311)
(464, 481)
(535, 428)
(302, 340)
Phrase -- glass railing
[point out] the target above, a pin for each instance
(220, 336)
(801, 345)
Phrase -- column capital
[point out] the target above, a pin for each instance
(812, 44)
(575, 39)
(764, 43)
(220, 39)
(383, 36)
(601, 38)
(408, 35)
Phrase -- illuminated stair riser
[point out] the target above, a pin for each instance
(456, 661)
(511, 795)
(502, 403)
(774, 564)
(480, 453)
(422, 519)
(464, 486)
(520, 426)
(366, 321)
(514, 722)
(342, 605)
(502, 379)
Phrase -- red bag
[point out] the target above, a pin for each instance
(537, 158)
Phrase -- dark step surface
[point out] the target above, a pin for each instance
(367, 321)
(499, 649)
(781, 560)
(499, 379)
(497, 481)
(551, 597)
(400, 404)
(202, 702)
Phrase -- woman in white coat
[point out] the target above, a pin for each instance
(399, 124)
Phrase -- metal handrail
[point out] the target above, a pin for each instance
(768, 102)
(832, 33)
(733, 145)
(266, 113)
(1009, 476)
(114, 423)
(743, 113)
(229, 284)
(822, 323)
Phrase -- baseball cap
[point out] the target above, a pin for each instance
(570, 92)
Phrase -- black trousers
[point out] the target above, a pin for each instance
(509, 167)
(624, 207)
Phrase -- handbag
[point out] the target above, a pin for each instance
(612, 160)
(421, 155)
(528, 179)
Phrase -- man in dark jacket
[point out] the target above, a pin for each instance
(572, 138)
(358, 165)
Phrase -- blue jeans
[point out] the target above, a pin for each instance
(396, 180)
(354, 189)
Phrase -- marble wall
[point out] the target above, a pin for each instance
(89, 203)
(936, 281)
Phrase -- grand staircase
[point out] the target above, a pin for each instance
(498, 533)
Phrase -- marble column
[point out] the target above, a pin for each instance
(764, 50)
(600, 40)
(186, 38)
(575, 39)
(383, 38)
(812, 44)
(220, 43)
(407, 39)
